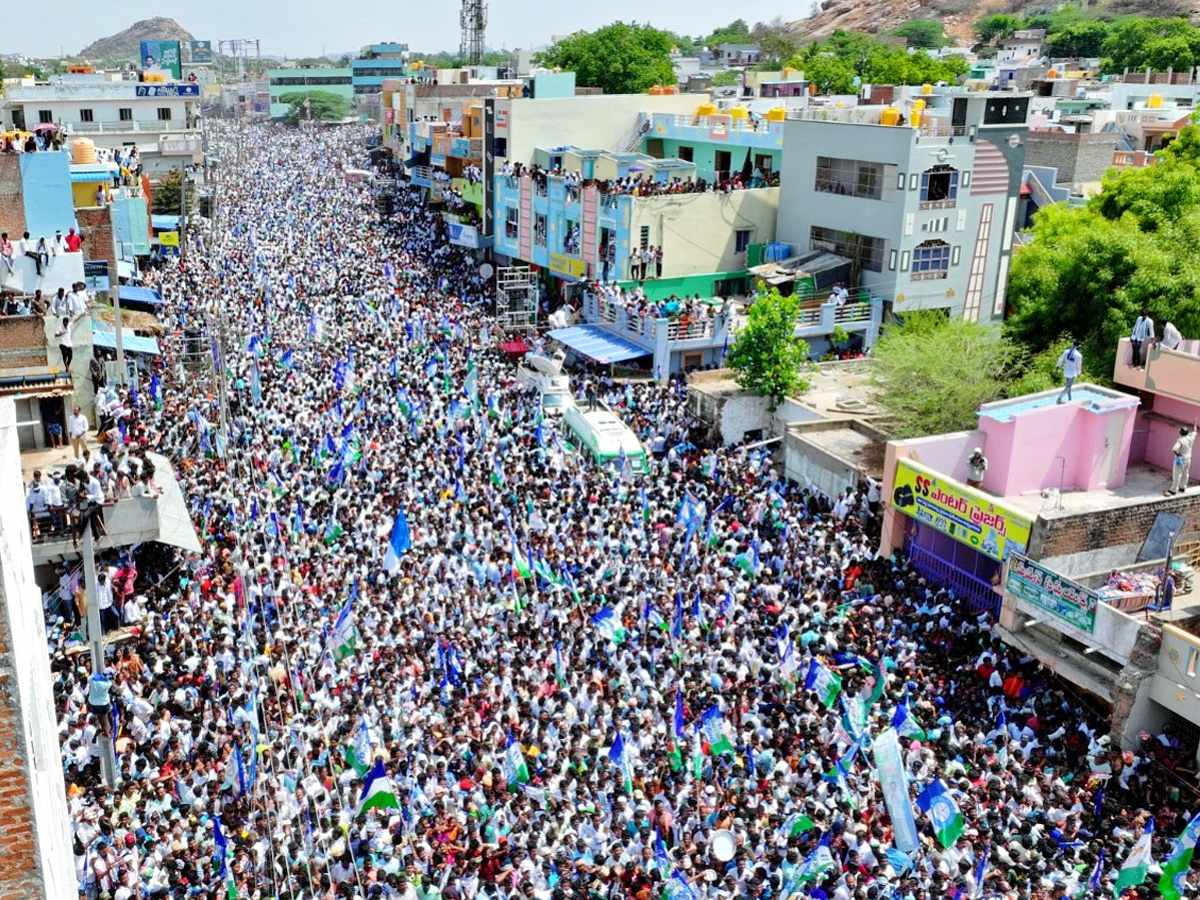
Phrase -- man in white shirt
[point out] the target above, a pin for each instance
(77, 429)
(1143, 332)
(1071, 363)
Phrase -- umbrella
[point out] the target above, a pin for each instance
(44, 126)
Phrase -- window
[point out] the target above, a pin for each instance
(164, 114)
(571, 237)
(939, 187)
(852, 177)
(1006, 111)
(45, 116)
(869, 251)
(644, 237)
(85, 115)
(687, 154)
(539, 230)
(741, 239)
(930, 260)
(125, 114)
(500, 147)
(512, 222)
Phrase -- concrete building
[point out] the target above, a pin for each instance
(38, 860)
(1022, 44)
(925, 210)
(331, 80)
(113, 113)
(1068, 538)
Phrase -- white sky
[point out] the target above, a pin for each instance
(288, 28)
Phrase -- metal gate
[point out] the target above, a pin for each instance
(976, 593)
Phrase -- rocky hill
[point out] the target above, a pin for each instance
(127, 45)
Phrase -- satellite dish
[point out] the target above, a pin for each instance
(486, 270)
(723, 846)
(547, 365)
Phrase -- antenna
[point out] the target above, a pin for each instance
(474, 26)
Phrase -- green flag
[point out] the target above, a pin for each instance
(1137, 864)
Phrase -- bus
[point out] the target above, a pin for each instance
(604, 437)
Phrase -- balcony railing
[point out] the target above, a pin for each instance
(120, 127)
(1172, 373)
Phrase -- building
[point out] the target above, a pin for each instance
(1067, 539)
(1022, 44)
(925, 209)
(331, 80)
(375, 64)
(112, 112)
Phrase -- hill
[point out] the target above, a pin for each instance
(127, 44)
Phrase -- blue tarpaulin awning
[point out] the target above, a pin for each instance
(598, 343)
(130, 342)
(164, 222)
(132, 294)
(97, 175)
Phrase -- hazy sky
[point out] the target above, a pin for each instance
(303, 27)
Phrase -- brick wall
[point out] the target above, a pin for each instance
(12, 202)
(1077, 157)
(1109, 528)
(22, 342)
(96, 225)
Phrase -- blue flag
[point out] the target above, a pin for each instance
(399, 541)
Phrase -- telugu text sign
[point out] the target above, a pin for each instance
(1061, 597)
(965, 514)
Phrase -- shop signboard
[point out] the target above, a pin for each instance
(968, 515)
(1061, 597)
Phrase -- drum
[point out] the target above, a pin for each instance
(722, 846)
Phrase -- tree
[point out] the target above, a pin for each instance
(728, 78)
(830, 74)
(1078, 39)
(317, 106)
(993, 28)
(766, 355)
(164, 196)
(619, 58)
(922, 33)
(736, 32)
(933, 373)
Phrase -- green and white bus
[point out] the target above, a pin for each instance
(603, 436)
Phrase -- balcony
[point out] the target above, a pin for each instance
(717, 127)
(1172, 373)
(181, 146)
(647, 331)
(1133, 159)
(127, 127)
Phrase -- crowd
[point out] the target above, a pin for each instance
(640, 184)
(431, 651)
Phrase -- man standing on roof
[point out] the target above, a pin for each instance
(1182, 448)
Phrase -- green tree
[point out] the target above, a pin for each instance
(619, 58)
(1078, 39)
(922, 33)
(774, 49)
(165, 195)
(768, 358)
(933, 373)
(829, 73)
(1138, 42)
(727, 79)
(736, 32)
(994, 28)
(317, 106)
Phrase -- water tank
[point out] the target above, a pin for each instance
(706, 109)
(777, 114)
(656, 91)
(914, 117)
(1155, 101)
(1053, 73)
(738, 112)
(890, 116)
(83, 150)
(927, 88)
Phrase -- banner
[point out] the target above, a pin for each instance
(1061, 597)
(565, 265)
(162, 55)
(893, 783)
(968, 515)
(195, 53)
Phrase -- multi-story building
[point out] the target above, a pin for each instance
(921, 195)
(111, 111)
(375, 64)
(331, 80)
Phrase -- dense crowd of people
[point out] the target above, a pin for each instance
(543, 679)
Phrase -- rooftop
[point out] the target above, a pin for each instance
(1089, 396)
(1143, 484)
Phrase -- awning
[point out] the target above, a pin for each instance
(96, 175)
(164, 222)
(598, 343)
(130, 342)
(132, 294)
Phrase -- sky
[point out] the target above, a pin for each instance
(298, 28)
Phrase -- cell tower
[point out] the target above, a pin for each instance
(474, 26)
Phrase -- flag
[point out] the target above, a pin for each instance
(1137, 864)
(1097, 873)
(521, 566)
(515, 770)
(398, 543)
(497, 473)
(677, 888)
(343, 642)
(944, 814)
(697, 754)
(358, 752)
(981, 872)
(904, 722)
(678, 723)
(471, 385)
(559, 671)
(620, 756)
(287, 360)
(826, 683)
(333, 529)
(712, 723)
(819, 861)
(378, 792)
(220, 847)
(156, 391)
(661, 861)
(796, 823)
(609, 625)
(1175, 869)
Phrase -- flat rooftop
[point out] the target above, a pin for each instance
(1087, 395)
(1143, 484)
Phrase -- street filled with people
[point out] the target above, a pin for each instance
(432, 650)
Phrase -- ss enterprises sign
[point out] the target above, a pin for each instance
(1061, 597)
(969, 516)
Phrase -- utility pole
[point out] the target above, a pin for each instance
(114, 292)
(108, 756)
(183, 210)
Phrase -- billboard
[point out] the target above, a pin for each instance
(167, 90)
(1061, 597)
(968, 515)
(162, 55)
(195, 53)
